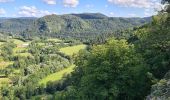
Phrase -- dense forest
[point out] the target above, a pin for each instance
(84, 26)
(86, 57)
(15, 25)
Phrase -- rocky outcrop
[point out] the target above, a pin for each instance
(161, 90)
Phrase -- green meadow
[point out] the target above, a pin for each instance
(58, 75)
(4, 80)
(72, 49)
(54, 40)
(21, 50)
(5, 64)
(1, 43)
(17, 41)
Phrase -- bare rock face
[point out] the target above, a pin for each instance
(161, 90)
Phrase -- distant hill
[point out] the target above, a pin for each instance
(70, 24)
(91, 16)
(16, 25)
(85, 24)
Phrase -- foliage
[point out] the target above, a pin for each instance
(32, 63)
(161, 89)
(111, 71)
(72, 50)
(84, 26)
(154, 43)
(57, 76)
(15, 25)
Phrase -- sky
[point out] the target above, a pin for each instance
(112, 8)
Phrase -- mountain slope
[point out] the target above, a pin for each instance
(15, 25)
(85, 24)
(91, 16)
(78, 25)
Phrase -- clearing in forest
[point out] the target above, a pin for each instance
(72, 49)
(4, 64)
(54, 40)
(58, 75)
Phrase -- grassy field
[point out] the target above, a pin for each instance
(1, 59)
(73, 49)
(1, 43)
(19, 48)
(41, 44)
(16, 41)
(58, 75)
(17, 51)
(55, 40)
(23, 54)
(5, 64)
(4, 80)
(16, 71)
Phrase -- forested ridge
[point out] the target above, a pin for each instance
(74, 25)
(15, 25)
(126, 64)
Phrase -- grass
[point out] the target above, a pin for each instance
(41, 44)
(73, 49)
(4, 80)
(1, 59)
(16, 41)
(16, 71)
(18, 49)
(23, 54)
(57, 76)
(20, 43)
(54, 39)
(1, 43)
(5, 64)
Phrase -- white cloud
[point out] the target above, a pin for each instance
(133, 15)
(2, 11)
(158, 6)
(32, 11)
(149, 12)
(134, 3)
(50, 2)
(71, 3)
(4, 1)
(111, 14)
(153, 11)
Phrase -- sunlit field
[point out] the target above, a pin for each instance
(73, 49)
(58, 75)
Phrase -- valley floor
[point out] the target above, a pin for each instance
(55, 48)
